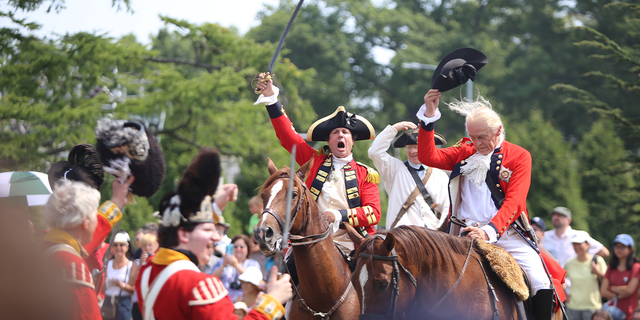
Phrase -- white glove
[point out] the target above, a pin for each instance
(270, 99)
(337, 219)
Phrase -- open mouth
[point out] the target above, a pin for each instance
(341, 145)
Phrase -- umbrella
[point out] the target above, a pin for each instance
(24, 188)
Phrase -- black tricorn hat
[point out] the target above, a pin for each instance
(457, 68)
(410, 137)
(128, 148)
(192, 202)
(361, 128)
(83, 165)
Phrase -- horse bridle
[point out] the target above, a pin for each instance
(297, 240)
(395, 282)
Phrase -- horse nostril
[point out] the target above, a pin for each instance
(269, 233)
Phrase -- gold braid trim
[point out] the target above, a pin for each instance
(372, 175)
(270, 307)
(111, 212)
(458, 144)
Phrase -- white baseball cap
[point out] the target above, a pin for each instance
(121, 237)
(251, 275)
(580, 237)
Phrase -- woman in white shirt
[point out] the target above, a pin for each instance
(117, 301)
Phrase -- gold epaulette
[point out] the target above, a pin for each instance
(111, 212)
(372, 175)
(324, 151)
(270, 307)
(458, 144)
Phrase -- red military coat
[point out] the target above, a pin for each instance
(67, 260)
(368, 213)
(510, 165)
(190, 294)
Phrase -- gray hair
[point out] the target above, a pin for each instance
(70, 204)
(478, 110)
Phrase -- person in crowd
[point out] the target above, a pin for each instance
(171, 285)
(241, 309)
(78, 228)
(148, 245)
(601, 315)
(558, 240)
(255, 207)
(584, 273)
(117, 301)
(539, 227)
(222, 227)
(233, 265)
(508, 167)
(258, 256)
(331, 175)
(622, 277)
(138, 250)
(251, 283)
(418, 194)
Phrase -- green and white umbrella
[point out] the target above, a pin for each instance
(27, 188)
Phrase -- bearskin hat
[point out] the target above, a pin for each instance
(128, 148)
(83, 164)
(192, 202)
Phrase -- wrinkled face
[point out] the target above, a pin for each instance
(201, 240)
(240, 250)
(412, 153)
(560, 221)
(372, 280)
(340, 142)
(484, 140)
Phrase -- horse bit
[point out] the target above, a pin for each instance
(297, 240)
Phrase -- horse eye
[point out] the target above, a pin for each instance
(383, 285)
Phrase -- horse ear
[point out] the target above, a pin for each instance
(303, 171)
(354, 235)
(271, 166)
(389, 243)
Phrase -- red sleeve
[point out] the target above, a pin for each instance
(368, 214)
(430, 155)
(85, 304)
(287, 134)
(518, 160)
(108, 215)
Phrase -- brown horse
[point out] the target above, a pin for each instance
(409, 273)
(325, 288)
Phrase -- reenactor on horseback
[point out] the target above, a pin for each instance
(343, 188)
(490, 176)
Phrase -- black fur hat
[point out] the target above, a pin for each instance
(192, 202)
(83, 165)
(128, 148)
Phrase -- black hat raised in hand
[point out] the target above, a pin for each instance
(457, 68)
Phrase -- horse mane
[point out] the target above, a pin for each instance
(426, 247)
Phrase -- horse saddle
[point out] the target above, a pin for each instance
(505, 267)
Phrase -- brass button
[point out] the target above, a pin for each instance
(498, 168)
(499, 161)
(462, 162)
(499, 156)
(498, 185)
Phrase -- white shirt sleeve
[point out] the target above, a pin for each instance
(491, 232)
(386, 164)
(426, 120)
(270, 99)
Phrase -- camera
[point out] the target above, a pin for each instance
(235, 285)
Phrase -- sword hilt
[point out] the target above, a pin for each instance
(256, 80)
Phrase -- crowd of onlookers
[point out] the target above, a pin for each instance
(594, 289)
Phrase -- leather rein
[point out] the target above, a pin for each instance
(298, 240)
(395, 279)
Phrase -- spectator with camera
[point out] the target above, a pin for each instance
(233, 265)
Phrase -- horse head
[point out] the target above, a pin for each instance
(385, 287)
(269, 231)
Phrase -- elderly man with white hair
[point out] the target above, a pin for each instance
(72, 215)
(476, 162)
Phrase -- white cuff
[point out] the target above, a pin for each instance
(491, 232)
(216, 209)
(337, 221)
(270, 99)
(426, 120)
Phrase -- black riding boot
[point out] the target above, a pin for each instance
(543, 304)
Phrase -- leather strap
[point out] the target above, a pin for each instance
(496, 191)
(418, 190)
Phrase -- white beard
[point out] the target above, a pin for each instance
(476, 168)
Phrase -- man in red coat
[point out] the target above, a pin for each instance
(71, 214)
(170, 285)
(485, 157)
(340, 185)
